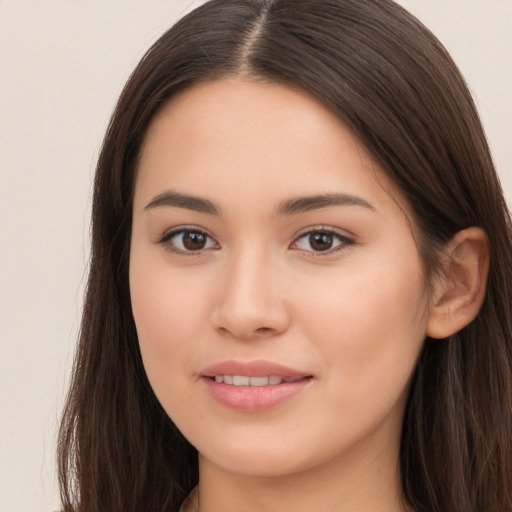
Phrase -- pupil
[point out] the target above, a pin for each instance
(194, 241)
(321, 241)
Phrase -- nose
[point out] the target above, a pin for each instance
(251, 302)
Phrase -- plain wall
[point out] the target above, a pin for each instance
(62, 66)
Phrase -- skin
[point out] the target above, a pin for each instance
(354, 317)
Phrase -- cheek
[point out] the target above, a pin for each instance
(169, 314)
(370, 327)
(367, 310)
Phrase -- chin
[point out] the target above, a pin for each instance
(259, 463)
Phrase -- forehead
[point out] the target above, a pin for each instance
(246, 113)
(254, 138)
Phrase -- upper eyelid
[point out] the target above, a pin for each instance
(325, 229)
(341, 238)
(169, 233)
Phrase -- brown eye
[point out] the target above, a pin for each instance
(186, 241)
(194, 241)
(321, 241)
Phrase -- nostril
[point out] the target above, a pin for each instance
(263, 330)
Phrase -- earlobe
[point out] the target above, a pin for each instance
(459, 291)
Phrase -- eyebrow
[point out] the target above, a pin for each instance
(176, 200)
(306, 204)
(289, 207)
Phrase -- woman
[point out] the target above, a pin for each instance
(299, 294)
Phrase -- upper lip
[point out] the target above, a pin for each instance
(257, 368)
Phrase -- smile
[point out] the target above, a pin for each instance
(245, 380)
(253, 386)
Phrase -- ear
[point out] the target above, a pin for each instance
(459, 291)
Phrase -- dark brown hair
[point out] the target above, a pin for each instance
(391, 81)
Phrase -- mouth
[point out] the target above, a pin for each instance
(254, 386)
(246, 380)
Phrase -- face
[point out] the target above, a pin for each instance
(276, 287)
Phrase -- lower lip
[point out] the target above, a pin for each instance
(254, 398)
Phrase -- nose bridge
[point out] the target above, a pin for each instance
(250, 300)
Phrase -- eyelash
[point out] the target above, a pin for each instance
(344, 241)
(168, 246)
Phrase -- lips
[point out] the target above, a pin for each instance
(257, 368)
(253, 386)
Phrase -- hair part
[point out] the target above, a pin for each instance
(391, 81)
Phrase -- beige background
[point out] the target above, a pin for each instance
(62, 65)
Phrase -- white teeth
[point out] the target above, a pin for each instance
(244, 380)
(240, 380)
(259, 381)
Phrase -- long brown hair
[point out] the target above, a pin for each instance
(388, 78)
